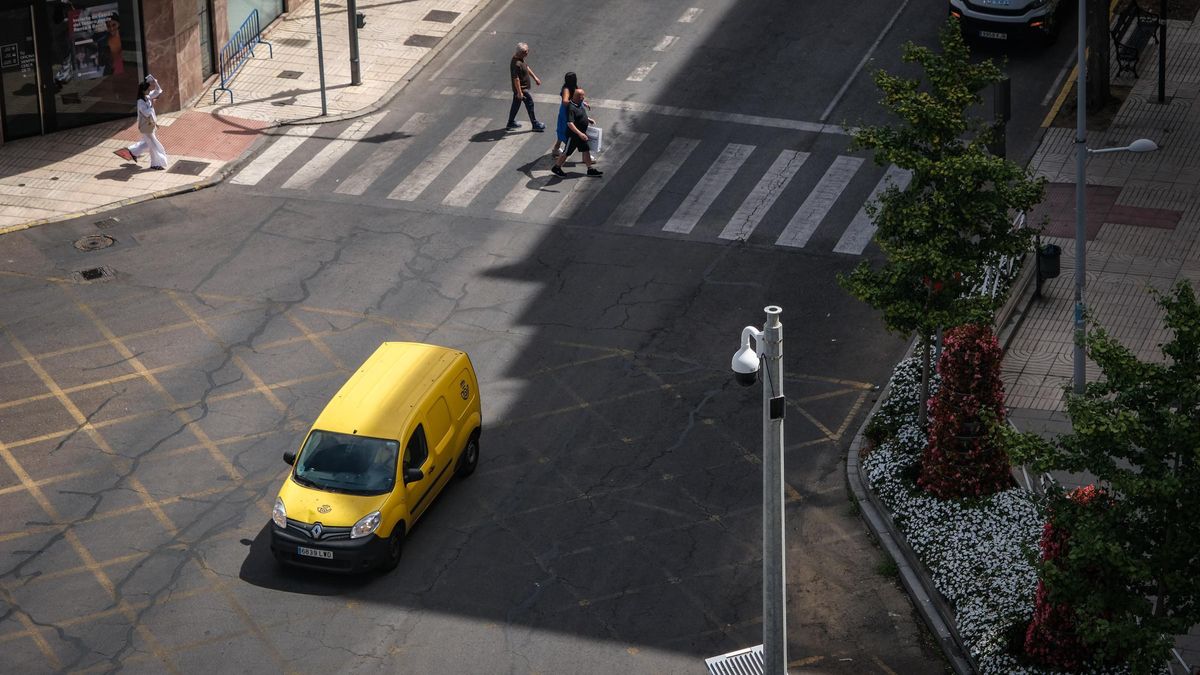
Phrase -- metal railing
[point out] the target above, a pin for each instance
(996, 278)
(238, 50)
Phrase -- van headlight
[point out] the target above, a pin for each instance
(365, 525)
(279, 514)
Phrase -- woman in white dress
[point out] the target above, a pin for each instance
(147, 123)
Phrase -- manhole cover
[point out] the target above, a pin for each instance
(441, 16)
(294, 41)
(108, 222)
(188, 167)
(290, 74)
(92, 274)
(94, 242)
(422, 41)
(71, 99)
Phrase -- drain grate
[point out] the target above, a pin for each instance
(422, 41)
(188, 167)
(290, 74)
(92, 274)
(293, 41)
(71, 99)
(94, 242)
(107, 222)
(441, 16)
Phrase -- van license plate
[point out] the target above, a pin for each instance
(993, 35)
(314, 553)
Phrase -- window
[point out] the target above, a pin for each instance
(416, 452)
(439, 422)
(347, 463)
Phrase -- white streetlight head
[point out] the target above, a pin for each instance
(745, 361)
(1142, 145)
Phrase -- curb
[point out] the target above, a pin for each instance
(929, 602)
(222, 173)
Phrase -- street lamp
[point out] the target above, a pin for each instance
(768, 348)
(1081, 153)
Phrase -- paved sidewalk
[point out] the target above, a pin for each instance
(72, 173)
(1143, 231)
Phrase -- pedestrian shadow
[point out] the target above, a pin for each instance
(123, 174)
(489, 136)
(539, 183)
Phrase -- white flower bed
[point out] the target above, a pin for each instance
(979, 553)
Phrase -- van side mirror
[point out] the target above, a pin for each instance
(413, 474)
(290, 456)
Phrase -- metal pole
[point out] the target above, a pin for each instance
(1162, 52)
(774, 583)
(320, 57)
(352, 19)
(1080, 198)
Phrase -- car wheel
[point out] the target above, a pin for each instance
(395, 548)
(469, 457)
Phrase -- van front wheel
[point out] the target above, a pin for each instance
(395, 547)
(469, 457)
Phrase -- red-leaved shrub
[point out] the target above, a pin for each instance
(962, 459)
(1051, 638)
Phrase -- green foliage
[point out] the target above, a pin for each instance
(1137, 429)
(954, 219)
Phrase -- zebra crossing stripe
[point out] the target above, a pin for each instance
(316, 167)
(278, 151)
(705, 192)
(856, 237)
(654, 180)
(818, 203)
(437, 161)
(617, 149)
(525, 191)
(763, 196)
(486, 169)
(370, 170)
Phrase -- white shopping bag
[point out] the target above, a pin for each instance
(595, 139)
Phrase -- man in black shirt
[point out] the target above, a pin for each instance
(520, 73)
(577, 138)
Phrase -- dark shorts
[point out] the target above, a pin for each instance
(575, 143)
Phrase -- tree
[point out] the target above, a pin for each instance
(1099, 75)
(1137, 430)
(954, 219)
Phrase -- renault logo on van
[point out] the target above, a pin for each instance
(464, 390)
(317, 530)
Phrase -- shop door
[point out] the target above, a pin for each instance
(20, 102)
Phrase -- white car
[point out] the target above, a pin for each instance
(1007, 20)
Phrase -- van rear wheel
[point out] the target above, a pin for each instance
(469, 457)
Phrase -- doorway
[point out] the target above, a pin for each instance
(20, 85)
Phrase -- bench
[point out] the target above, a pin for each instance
(1129, 42)
(238, 50)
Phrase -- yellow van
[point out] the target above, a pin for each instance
(352, 494)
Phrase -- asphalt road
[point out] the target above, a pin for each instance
(614, 522)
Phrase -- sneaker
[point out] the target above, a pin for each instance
(538, 126)
(513, 125)
(557, 171)
(159, 168)
(595, 172)
(125, 154)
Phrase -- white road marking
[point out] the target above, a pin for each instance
(486, 169)
(705, 192)
(763, 196)
(525, 191)
(313, 169)
(664, 43)
(466, 45)
(862, 62)
(641, 71)
(690, 15)
(1056, 86)
(384, 155)
(437, 161)
(856, 237)
(285, 145)
(654, 180)
(674, 111)
(617, 150)
(818, 203)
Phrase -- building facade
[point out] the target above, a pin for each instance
(71, 63)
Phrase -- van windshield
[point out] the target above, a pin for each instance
(347, 463)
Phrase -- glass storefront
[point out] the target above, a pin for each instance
(237, 11)
(67, 63)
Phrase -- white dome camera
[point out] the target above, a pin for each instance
(745, 360)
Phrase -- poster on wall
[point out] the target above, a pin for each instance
(96, 41)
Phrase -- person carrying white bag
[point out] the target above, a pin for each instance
(578, 124)
(147, 123)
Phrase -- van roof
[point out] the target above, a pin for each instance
(380, 396)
